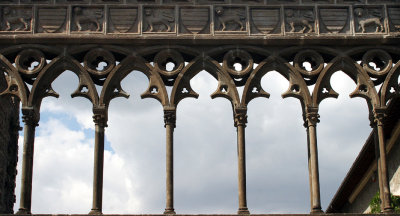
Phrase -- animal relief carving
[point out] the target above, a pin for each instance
(234, 18)
(368, 18)
(300, 19)
(16, 20)
(158, 20)
(86, 19)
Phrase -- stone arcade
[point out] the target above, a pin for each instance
(360, 38)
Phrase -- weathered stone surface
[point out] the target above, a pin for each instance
(9, 124)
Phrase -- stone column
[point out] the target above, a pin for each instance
(30, 118)
(240, 119)
(170, 123)
(100, 120)
(312, 118)
(379, 115)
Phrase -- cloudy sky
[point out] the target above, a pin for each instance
(205, 150)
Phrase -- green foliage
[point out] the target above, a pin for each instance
(375, 203)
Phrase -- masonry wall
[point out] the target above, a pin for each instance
(9, 125)
(361, 203)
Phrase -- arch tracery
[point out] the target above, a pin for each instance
(174, 66)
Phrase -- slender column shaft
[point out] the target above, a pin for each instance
(379, 115)
(31, 122)
(170, 121)
(312, 119)
(100, 124)
(309, 167)
(240, 124)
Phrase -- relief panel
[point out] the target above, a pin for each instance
(394, 18)
(51, 20)
(283, 1)
(369, 19)
(350, 1)
(249, 2)
(178, 1)
(334, 20)
(299, 20)
(108, 1)
(194, 20)
(123, 20)
(265, 20)
(36, 1)
(230, 19)
(73, 1)
(212, 1)
(16, 19)
(161, 19)
(319, 1)
(87, 19)
(142, 1)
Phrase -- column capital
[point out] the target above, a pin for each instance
(30, 116)
(311, 116)
(170, 117)
(240, 117)
(100, 116)
(379, 114)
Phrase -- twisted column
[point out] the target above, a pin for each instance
(384, 189)
(30, 118)
(170, 124)
(100, 120)
(240, 118)
(311, 120)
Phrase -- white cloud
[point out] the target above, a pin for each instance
(205, 151)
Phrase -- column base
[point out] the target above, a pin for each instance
(23, 211)
(169, 211)
(388, 210)
(95, 212)
(244, 211)
(316, 211)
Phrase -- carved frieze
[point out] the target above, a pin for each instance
(87, 19)
(334, 20)
(52, 19)
(265, 20)
(123, 20)
(194, 20)
(16, 19)
(254, 18)
(158, 19)
(230, 19)
(299, 20)
(369, 19)
(394, 18)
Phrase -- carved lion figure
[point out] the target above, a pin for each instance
(87, 17)
(367, 20)
(157, 20)
(303, 20)
(13, 18)
(224, 18)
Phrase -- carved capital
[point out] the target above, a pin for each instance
(379, 116)
(169, 117)
(240, 117)
(311, 116)
(100, 116)
(30, 116)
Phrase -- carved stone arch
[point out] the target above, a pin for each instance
(297, 86)
(365, 87)
(390, 87)
(42, 86)
(226, 87)
(112, 86)
(15, 85)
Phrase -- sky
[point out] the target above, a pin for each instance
(205, 157)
